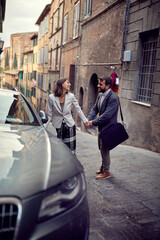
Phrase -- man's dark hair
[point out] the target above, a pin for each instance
(108, 80)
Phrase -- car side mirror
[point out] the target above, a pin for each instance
(43, 116)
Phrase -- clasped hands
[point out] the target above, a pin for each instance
(88, 124)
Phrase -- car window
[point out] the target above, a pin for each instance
(15, 110)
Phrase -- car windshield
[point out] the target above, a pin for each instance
(15, 110)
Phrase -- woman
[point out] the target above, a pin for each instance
(59, 112)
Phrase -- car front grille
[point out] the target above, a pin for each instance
(10, 214)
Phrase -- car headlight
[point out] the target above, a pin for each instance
(63, 197)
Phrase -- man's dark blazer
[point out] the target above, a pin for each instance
(107, 113)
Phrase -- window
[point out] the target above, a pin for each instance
(49, 87)
(43, 27)
(88, 7)
(41, 54)
(15, 110)
(56, 60)
(72, 76)
(65, 29)
(45, 82)
(52, 24)
(34, 75)
(34, 42)
(33, 58)
(45, 54)
(50, 58)
(148, 58)
(28, 93)
(46, 25)
(33, 93)
(40, 80)
(21, 75)
(76, 20)
(58, 23)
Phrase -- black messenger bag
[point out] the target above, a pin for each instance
(115, 134)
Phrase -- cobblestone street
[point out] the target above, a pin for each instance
(127, 205)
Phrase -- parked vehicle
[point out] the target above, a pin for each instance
(42, 184)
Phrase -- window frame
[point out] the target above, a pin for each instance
(149, 42)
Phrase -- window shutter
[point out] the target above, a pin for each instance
(41, 56)
(46, 54)
(76, 20)
(59, 10)
(88, 7)
(65, 29)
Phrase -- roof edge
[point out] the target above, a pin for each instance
(43, 14)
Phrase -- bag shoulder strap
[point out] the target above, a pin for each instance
(121, 111)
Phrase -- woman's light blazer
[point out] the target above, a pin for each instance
(57, 116)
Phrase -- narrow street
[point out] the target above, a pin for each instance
(127, 205)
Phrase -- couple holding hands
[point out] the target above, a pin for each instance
(60, 114)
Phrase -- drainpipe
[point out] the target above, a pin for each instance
(125, 28)
(61, 40)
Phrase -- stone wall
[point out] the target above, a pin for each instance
(100, 46)
(142, 120)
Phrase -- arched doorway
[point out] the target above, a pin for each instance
(92, 91)
(81, 105)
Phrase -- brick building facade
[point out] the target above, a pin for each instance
(19, 42)
(55, 42)
(42, 63)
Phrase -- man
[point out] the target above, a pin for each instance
(107, 106)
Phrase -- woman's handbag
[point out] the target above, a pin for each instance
(115, 134)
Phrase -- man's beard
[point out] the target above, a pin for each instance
(102, 90)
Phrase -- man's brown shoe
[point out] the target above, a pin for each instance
(103, 175)
(99, 171)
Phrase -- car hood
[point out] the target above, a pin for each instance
(31, 160)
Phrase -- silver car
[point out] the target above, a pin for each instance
(42, 184)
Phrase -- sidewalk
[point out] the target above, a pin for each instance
(127, 205)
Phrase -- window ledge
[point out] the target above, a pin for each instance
(142, 103)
